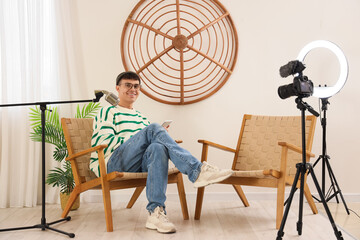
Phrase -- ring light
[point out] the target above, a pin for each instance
(326, 92)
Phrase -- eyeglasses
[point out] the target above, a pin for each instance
(130, 86)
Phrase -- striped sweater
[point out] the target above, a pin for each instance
(113, 126)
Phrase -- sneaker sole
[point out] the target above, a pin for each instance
(204, 184)
(153, 227)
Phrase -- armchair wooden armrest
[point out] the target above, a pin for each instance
(222, 147)
(295, 148)
(89, 150)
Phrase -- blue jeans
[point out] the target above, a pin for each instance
(149, 151)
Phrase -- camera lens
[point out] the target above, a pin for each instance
(286, 91)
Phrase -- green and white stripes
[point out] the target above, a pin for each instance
(113, 126)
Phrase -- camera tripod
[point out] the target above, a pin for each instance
(301, 169)
(334, 187)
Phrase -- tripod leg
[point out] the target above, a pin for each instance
(71, 235)
(18, 228)
(317, 160)
(288, 199)
(61, 220)
(336, 187)
(328, 195)
(301, 198)
(336, 231)
(280, 233)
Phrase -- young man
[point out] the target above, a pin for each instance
(135, 145)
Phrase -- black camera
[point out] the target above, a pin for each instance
(301, 86)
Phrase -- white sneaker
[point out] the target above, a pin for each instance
(159, 221)
(210, 174)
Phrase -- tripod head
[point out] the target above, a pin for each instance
(325, 102)
(305, 106)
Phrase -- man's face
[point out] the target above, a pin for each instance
(127, 92)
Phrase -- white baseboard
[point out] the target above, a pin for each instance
(96, 196)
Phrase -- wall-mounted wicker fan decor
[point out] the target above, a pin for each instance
(183, 50)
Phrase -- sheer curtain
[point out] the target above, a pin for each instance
(36, 64)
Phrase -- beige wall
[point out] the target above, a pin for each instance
(271, 33)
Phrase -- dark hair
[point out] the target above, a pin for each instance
(127, 75)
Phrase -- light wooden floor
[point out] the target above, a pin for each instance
(348, 223)
(220, 220)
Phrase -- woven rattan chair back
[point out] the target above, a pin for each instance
(79, 133)
(258, 142)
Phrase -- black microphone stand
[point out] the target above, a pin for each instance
(334, 187)
(301, 169)
(44, 225)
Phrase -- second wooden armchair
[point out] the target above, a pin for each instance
(266, 154)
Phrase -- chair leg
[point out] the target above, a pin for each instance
(135, 196)
(241, 194)
(199, 201)
(280, 202)
(310, 199)
(107, 206)
(73, 196)
(182, 196)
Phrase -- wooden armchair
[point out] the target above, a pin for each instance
(78, 133)
(266, 155)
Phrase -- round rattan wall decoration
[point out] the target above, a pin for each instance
(183, 50)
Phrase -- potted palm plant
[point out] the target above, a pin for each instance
(59, 176)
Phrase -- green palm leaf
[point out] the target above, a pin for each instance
(52, 134)
(62, 178)
(60, 153)
(87, 111)
(51, 117)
